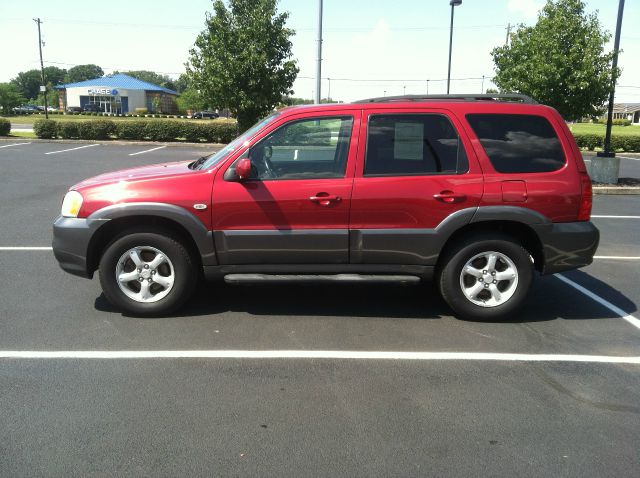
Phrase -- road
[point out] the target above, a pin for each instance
(346, 414)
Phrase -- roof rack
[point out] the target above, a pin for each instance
(469, 97)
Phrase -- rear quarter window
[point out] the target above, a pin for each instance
(518, 143)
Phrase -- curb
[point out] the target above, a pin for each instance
(627, 190)
(107, 142)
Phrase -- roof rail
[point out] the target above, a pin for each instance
(468, 97)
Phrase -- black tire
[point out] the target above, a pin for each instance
(184, 265)
(449, 280)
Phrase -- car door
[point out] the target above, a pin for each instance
(416, 171)
(294, 208)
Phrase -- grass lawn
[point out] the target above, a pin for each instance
(29, 119)
(22, 134)
(586, 128)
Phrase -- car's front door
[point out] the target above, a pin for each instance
(294, 208)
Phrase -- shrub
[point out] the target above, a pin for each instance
(162, 130)
(141, 111)
(102, 129)
(131, 129)
(192, 132)
(44, 128)
(621, 122)
(589, 140)
(68, 129)
(5, 127)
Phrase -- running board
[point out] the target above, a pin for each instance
(298, 278)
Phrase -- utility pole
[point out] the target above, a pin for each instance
(427, 86)
(482, 87)
(319, 67)
(44, 83)
(616, 47)
(506, 41)
(453, 3)
(329, 92)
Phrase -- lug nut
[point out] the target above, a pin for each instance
(484, 272)
(139, 270)
(495, 281)
(153, 271)
(149, 279)
(493, 273)
(140, 279)
(486, 286)
(146, 266)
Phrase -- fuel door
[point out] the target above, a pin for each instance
(514, 191)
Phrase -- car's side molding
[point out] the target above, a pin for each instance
(198, 231)
(509, 213)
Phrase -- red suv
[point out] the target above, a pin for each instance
(477, 192)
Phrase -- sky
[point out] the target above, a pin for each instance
(370, 47)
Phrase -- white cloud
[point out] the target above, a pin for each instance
(528, 8)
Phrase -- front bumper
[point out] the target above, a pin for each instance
(71, 239)
(568, 245)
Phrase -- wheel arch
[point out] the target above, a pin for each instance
(521, 232)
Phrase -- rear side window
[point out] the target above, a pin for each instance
(413, 144)
(518, 143)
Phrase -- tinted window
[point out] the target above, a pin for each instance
(313, 148)
(518, 143)
(411, 144)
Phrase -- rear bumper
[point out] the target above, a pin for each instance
(568, 245)
(71, 238)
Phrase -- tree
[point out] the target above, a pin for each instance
(560, 61)
(54, 75)
(242, 60)
(10, 97)
(191, 99)
(28, 83)
(83, 72)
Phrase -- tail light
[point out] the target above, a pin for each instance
(584, 213)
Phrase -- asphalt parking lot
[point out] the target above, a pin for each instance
(319, 380)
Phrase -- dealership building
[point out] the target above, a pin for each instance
(118, 94)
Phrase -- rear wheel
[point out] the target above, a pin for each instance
(486, 277)
(147, 273)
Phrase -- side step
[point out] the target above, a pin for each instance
(298, 278)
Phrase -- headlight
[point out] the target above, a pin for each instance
(71, 204)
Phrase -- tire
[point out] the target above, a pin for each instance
(162, 273)
(475, 289)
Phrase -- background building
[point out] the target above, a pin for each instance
(118, 94)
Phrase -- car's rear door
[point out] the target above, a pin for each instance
(416, 170)
(295, 207)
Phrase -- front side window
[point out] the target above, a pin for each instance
(314, 148)
(518, 143)
(413, 144)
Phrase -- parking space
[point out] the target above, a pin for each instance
(461, 414)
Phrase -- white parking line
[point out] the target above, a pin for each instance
(73, 149)
(619, 258)
(627, 157)
(605, 303)
(312, 354)
(26, 248)
(148, 150)
(617, 217)
(14, 144)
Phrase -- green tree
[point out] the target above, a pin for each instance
(28, 83)
(560, 61)
(83, 72)
(191, 99)
(10, 97)
(54, 75)
(242, 60)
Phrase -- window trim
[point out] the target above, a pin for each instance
(394, 175)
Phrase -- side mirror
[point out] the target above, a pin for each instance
(243, 169)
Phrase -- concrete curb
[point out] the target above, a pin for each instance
(628, 190)
(115, 142)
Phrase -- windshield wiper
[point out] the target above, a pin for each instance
(198, 162)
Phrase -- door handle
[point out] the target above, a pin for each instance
(325, 199)
(450, 197)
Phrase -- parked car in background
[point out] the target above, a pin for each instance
(92, 108)
(477, 192)
(205, 115)
(52, 109)
(74, 109)
(25, 109)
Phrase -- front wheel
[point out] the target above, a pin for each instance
(147, 273)
(486, 278)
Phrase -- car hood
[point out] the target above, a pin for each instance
(135, 174)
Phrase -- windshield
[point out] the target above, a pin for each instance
(215, 158)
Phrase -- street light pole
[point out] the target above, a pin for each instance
(453, 4)
(614, 66)
(319, 67)
(44, 85)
